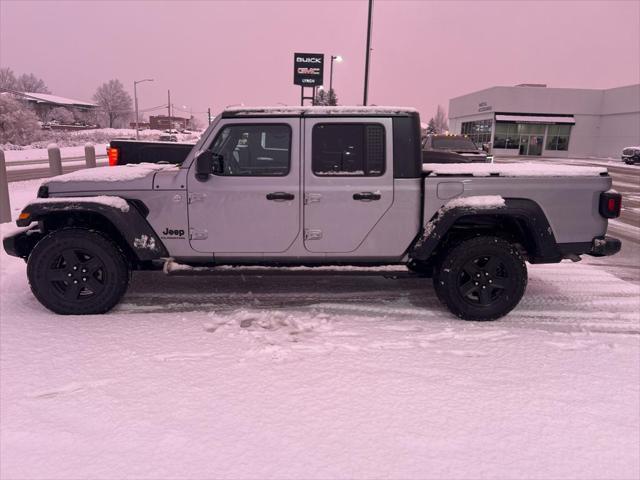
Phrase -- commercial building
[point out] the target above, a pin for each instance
(533, 120)
(164, 122)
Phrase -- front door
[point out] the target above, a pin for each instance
(253, 205)
(348, 181)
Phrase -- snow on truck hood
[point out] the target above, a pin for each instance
(130, 176)
(525, 169)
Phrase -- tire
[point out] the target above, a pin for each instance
(481, 279)
(77, 271)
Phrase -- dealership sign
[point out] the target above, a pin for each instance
(308, 69)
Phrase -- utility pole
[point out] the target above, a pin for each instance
(366, 65)
(135, 96)
(169, 107)
(209, 114)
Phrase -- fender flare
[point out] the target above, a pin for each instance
(525, 211)
(129, 221)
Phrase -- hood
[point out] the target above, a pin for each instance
(104, 179)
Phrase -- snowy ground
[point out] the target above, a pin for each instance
(309, 376)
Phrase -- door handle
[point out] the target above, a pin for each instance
(280, 196)
(366, 196)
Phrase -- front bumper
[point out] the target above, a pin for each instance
(604, 246)
(21, 241)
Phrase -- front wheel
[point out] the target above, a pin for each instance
(77, 272)
(483, 278)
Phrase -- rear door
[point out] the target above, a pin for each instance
(348, 180)
(253, 205)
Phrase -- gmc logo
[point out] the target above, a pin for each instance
(308, 71)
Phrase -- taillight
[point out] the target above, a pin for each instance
(610, 204)
(112, 154)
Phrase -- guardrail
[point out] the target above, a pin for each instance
(55, 168)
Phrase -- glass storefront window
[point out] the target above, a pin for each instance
(506, 136)
(479, 131)
(558, 137)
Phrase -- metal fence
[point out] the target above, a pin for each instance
(55, 168)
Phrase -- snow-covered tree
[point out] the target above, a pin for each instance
(31, 83)
(63, 115)
(7, 79)
(440, 121)
(114, 100)
(18, 123)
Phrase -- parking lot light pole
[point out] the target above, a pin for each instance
(135, 96)
(338, 59)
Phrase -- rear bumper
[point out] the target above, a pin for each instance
(604, 246)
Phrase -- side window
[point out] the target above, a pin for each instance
(348, 149)
(254, 150)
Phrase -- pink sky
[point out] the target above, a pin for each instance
(217, 53)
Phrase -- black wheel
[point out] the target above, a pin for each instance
(77, 272)
(483, 278)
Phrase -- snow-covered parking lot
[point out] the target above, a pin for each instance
(301, 375)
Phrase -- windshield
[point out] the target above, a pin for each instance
(453, 143)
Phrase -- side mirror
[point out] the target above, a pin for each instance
(208, 163)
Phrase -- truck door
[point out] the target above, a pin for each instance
(253, 205)
(348, 180)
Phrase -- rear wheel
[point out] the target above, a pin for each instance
(77, 272)
(483, 278)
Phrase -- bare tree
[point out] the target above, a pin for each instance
(114, 100)
(440, 121)
(18, 124)
(7, 79)
(31, 83)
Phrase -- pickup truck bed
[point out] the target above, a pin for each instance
(123, 152)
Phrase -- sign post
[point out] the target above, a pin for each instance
(308, 71)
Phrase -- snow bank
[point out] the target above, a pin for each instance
(113, 174)
(107, 200)
(525, 169)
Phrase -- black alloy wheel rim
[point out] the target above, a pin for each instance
(77, 274)
(483, 280)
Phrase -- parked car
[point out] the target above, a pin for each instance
(631, 155)
(452, 149)
(168, 138)
(313, 186)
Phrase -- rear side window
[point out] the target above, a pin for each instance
(348, 149)
(254, 150)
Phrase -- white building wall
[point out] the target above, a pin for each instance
(606, 120)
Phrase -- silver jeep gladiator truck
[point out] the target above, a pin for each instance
(313, 186)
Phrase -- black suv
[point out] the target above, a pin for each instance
(452, 149)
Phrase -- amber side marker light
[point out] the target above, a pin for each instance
(24, 216)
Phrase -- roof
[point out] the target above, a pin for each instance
(373, 111)
(53, 99)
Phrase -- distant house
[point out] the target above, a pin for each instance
(43, 103)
